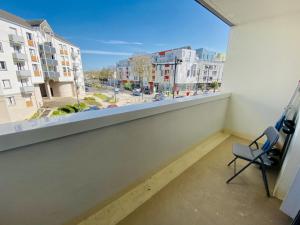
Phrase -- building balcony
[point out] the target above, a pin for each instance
(31, 43)
(16, 39)
(34, 58)
(49, 50)
(50, 62)
(23, 73)
(27, 89)
(52, 75)
(74, 55)
(166, 162)
(37, 73)
(75, 65)
(201, 143)
(19, 57)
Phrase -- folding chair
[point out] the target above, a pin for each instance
(255, 155)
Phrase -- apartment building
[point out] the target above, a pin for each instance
(34, 63)
(194, 67)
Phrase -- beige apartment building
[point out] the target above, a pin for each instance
(35, 63)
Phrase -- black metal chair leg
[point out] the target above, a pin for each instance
(263, 171)
(245, 167)
(231, 161)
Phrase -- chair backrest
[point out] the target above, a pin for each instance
(272, 136)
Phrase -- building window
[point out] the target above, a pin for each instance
(65, 69)
(6, 84)
(2, 65)
(1, 47)
(20, 66)
(29, 36)
(35, 67)
(32, 52)
(17, 48)
(24, 83)
(11, 100)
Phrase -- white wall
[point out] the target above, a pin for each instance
(54, 181)
(261, 71)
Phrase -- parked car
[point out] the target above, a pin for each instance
(147, 91)
(159, 97)
(136, 92)
(117, 90)
(112, 106)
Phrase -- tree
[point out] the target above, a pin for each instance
(142, 67)
(214, 85)
(100, 75)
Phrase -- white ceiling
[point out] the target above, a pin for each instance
(245, 11)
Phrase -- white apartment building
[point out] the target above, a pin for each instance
(190, 70)
(34, 63)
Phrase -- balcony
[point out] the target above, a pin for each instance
(19, 57)
(50, 62)
(23, 73)
(27, 89)
(16, 39)
(74, 55)
(34, 58)
(31, 43)
(165, 162)
(200, 190)
(52, 75)
(48, 49)
(75, 65)
(37, 73)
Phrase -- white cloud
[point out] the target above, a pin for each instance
(99, 52)
(119, 42)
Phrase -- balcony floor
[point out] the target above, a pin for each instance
(201, 196)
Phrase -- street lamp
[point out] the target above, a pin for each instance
(176, 61)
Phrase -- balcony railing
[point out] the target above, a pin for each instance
(76, 65)
(74, 55)
(47, 49)
(23, 73)
(37, 73)
(19, 57)
(52, 75)
(16, 39)
(34, 58)
(50, 62)
(30, 43)
(27, 89)
(67, 149)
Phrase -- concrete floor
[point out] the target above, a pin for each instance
(201, 196)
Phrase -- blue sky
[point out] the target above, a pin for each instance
(110, 30)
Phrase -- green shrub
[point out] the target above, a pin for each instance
(128, 86)
(58, 113)
(102, 96)
(90, 101)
